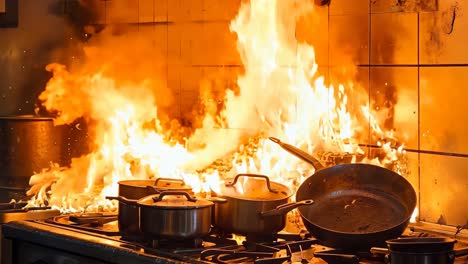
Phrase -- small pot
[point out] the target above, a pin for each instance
(427, 250)
(259, 208)
(133, 190)
(175, 215)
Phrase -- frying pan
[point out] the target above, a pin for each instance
(357, 206)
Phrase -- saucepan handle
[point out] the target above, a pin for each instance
(152, 189)
(285, 208)
(217, 200)
(230, 184)
(379, 251)
(460, 252)
(181, 181)
(122, 200)
(166, 193)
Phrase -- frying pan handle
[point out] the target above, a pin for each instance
(299, 153)
(285, 208)
(230, 184)
(122, 200)
(169, 180)
(165, 193)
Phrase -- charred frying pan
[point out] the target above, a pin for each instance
(357, 205)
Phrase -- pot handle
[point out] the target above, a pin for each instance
(122, 200)
(285, 208)
(152, 189)
(382, 251)
(460, 252)
(231, 184)
(299, 153)
(168, 179)
(379, 251)
(165, 193)
(217, 200)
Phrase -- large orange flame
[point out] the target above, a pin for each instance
(280, 94)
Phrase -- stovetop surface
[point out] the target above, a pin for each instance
(104, 241)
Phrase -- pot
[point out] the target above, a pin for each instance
(136, 189)
(29, 144)
(133, 190)
(427, 250)
(258, 209)
(175, 215)
(357, 206)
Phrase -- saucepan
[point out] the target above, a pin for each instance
(133, 190)
(427, 250)
(256, 207)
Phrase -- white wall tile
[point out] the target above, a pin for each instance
(145, 11)
(388, 6)
(349, 39)
(161, 10)
(394, 38)
(122, 11)
(220, 10)
(443, 189)
(444, 118)
(394, 101)
(346, 7)
(443, 35)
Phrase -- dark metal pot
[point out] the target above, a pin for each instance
(175, 215)
(420, 250)
(258, 209)
(29, 144)
(132, 191)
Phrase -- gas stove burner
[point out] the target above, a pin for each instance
(105, 224)
(93, 219)
(265, 252)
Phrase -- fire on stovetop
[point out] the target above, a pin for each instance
(120, 89)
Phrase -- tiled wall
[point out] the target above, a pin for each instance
(409, 53)
(413, 51)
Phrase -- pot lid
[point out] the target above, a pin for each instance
(159, 183)
(254, 187)
(174, 200)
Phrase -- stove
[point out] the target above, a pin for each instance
(95, 238)
(14, 211)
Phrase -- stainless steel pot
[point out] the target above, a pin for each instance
(130, 191)
(257, 207)
(175, 215)
(29, 144)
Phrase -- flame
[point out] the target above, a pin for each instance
(414, 216)
(239, 239)
(134, 135)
